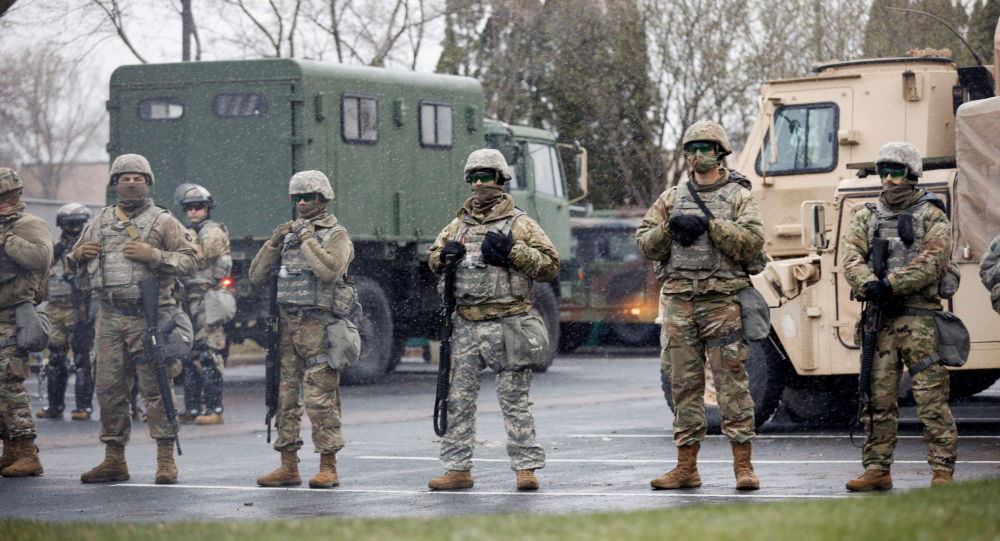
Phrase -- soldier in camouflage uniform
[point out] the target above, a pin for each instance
(25, 256)
(63, 288)
(500, 252)
(702, 264)
(309, 257)
(128, 242)
(989, 271)
(203, 368)
(919, 235)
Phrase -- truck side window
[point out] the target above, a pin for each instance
(237, 105)
(807, 140)
(161, 109)
(435, 124)
(545, 166)
(359, 118)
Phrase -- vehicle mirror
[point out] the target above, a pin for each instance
(817, 227)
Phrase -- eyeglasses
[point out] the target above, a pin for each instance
(306, 197)
(895, 171)
(699, 146)
(194, 206)
(480, 176)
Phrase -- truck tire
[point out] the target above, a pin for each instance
(636, 334)
(545, 305)
(377, 339)
(823, 401)
(965, 383)
(572, 335)
(766, 370)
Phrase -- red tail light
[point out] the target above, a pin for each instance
(227, 281)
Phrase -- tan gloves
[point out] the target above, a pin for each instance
(303, 229)
(139, 251)
(278, 236)
(87, 251)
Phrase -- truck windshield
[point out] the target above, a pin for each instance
(545, 165)
(807, 140)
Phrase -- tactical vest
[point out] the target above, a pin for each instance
(702, 259)
(115, 276)
(218, 269)
(299, 286)
(884, 223)
(60, 289)
(479, 283)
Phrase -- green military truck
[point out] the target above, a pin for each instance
(393, 144)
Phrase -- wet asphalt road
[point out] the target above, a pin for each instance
(600, 416)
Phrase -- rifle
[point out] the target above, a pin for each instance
(154, 340)
(871, 323)
(272, 362)
(81, 340)
(444, 364)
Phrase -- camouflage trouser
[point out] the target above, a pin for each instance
(63, 317)
(688, 324)
(904, 341)
(204, 367)
(16, 420)
(476, 345)
(303, 337)
(213, 336)
(120, 358)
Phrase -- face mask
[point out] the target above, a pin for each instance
(703, 162)
(311, 209)
(485, 196)
(131, 195)
(896, 195)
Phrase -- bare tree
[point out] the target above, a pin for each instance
(374, 32)
(48, 117)
(115, 17)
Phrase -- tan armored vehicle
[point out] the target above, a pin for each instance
(809, 157)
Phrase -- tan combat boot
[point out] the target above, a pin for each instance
(685, 474)
(941, 477)
(186, 418)
(746, 479)
(452, 480)
(80, 415)
(8, 454)
(327, 476)
(112, 469)
(166, 470)
(871, 480)
(46, 413)
(526, 480)
(287, 475)
(25, 456)
(209, 419)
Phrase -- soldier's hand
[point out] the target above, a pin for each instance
(453, 248)
(878, 291)
(139, 251)
(278, 236)
(687, 228)
(303, 229)
(87, 251)
(496, 249)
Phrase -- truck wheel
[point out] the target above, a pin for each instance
(966, 383)
(545, 306)
(573, 334)
(636, 334)
(377, 337)
(766, 370)
(826, 401)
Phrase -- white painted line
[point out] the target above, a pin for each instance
(660, 461)
(473, 492)
(769, 436)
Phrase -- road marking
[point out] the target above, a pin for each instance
(660, 461)
(650, 494)
(767, 436)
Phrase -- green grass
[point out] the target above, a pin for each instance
(965, 511)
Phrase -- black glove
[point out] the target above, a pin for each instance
(496, 248)
(453, 248)
(878, 291)
(687, 228)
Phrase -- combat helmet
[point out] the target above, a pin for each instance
(73, 214)
(131, 163)
(708, 131)
(9, 180)
(488, 158)
(193, 193)
(310, 182)
(903, 154)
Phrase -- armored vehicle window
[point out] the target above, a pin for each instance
(161, 109)
(435, 124)
(807, 140)
(545, 166)
(236, 105)
(359, 118)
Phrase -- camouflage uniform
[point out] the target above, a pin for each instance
(477, 341)
(26, 244)
(989, 271)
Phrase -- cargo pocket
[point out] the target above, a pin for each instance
(526, 341)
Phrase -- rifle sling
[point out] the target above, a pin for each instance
(698, 201)
(133, 233)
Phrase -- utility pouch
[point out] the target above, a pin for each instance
(33, 327)
(176, 324)
(755, 314)
(220, 307)
(345, 297)
(950, 281)
(526, 341)
(343, 344)
(953, 342)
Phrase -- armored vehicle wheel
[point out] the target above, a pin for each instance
(636, 334)
(377, 337)
(545, 306)
(825, 401)
(766, 369)
(573, 334)
(969, 382)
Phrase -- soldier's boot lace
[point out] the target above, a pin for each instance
(685, 474)
(942, 477)
(526, 480)
(8, 454)
(112, 469)
(25, 456)
(49, 413)
(871, 480)
(209, 418)
(327, 476)
(452, 480)
(80, 415)
(286, 475)
(746, 479)
(166, 469)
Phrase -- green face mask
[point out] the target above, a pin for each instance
(703, 162)
(896, 195)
